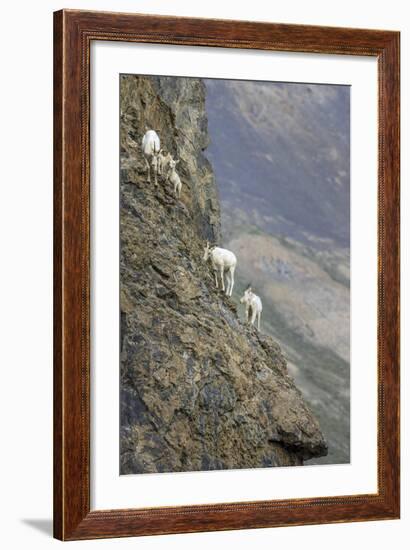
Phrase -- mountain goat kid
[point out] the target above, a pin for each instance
(253, 306)
(174, 177)
(163, 163)
(150, 147)
(222, 261)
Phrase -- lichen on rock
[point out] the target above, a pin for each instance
(199, 389)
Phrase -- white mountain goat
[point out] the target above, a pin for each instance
(223, 261)
(253, 305)
(150, 147)
(174, 177)
(163, 163)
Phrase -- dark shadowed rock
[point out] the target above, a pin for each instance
(199, 389)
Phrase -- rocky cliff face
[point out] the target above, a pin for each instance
(199, 389)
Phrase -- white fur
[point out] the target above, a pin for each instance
(151, 146)
(253, 305)
(163, 163)
(222, 261)
(174, 177)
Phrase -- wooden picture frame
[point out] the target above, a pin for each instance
(73, 33)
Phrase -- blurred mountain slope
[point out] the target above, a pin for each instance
(281, 158)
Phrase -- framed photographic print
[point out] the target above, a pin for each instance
(226, 275)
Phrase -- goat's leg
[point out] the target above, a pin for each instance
(231, 271)
(222, 278)
(228, 282)
(253, 316)
(247, 314)
(216, 278)
(149, 170)
(259, 320)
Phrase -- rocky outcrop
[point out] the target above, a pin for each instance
(199, 389)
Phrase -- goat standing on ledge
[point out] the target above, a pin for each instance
(163, 163)
(150, 148)
(222, 261)
(253, 305)
(174, 177)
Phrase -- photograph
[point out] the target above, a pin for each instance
(234, 274)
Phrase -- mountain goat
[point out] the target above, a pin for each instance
(222, 261)
(163, 163)
(253, 305)
(150, 147)
(174, 177)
